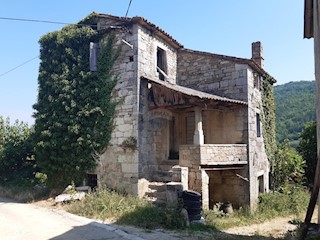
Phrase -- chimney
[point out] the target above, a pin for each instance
(257, 53)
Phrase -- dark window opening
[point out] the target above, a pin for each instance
(257, 81)
(131, 58)
(190, 127)
(92, 180)
(173, 152)
(258, 122)
(161, 63)
(261, 184)
(94, 52)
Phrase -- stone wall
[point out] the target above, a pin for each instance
(217, 185)
(258, 161)
(225, 126)
(192, 156)
(147, 52)
(226, 186)
(154, 131)
(121, 167)
(211, 154)
(153, 124)
(118, 166)
(212, 74)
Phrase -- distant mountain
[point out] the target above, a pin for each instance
(295, 106)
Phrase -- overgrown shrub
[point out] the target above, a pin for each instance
(308, 149)
(292, 200)
(288, 167)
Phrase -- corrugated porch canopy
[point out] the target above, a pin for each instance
(167, 95)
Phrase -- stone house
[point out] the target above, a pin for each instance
(185, 118)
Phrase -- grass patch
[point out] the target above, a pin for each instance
(290, 202)
(129, 210)
(126, 209)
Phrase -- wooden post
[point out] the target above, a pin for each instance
(315, 190)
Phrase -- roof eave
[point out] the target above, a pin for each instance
(192, 92)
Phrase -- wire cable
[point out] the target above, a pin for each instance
(128, 8)
(44, 21)
(19, 66)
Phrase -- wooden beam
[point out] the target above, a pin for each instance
(316, 34)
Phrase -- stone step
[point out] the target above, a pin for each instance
(163, 176)
(165, 167)
(152, 193)
(155, 200)
(158, 186)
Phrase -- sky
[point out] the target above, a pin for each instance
(225, 27)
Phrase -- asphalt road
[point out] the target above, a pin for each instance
(29, 222)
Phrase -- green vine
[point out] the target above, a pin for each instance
(74, 111)
(268, 119)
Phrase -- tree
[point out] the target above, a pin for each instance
(288, 166)
(308, 150)
(17, 163)
(74, 111)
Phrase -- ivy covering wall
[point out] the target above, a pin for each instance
(74, 110)
(269, 120)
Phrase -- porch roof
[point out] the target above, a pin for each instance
(173, 94)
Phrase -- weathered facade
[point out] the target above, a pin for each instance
(184, 118)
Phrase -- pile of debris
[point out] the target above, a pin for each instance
(72, 193)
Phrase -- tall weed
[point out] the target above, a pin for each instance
(126, 209)
(292, 200)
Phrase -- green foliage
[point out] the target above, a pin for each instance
(308, 150)
(268, 119)
(288, 166)
(22, 191)
(295, 106)
(293, 200)
(17, 163)
(126, 209)
(74, 111)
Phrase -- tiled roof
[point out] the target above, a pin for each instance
(144, 22)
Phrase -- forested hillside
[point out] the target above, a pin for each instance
(295, 106)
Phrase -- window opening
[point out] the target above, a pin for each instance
(161, 63)
(261, 184)
(257, 81)
(92, 180)
(258, 122)
(94, 51)
(190, 127)
(173, 152)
